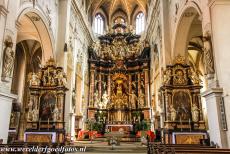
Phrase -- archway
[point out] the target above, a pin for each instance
(188, 43)
(34, 47)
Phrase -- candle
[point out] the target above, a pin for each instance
(39, 123)
(48, 123)
(180, 124)
(189, 121)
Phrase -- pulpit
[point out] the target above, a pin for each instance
(45, 109)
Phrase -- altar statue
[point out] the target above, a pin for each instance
(195, 113)
(141, 99)
(105, 100)
(35, 114)
(172, 112)
(133, 100)
(55, 113)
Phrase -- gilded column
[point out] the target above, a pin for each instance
(99, 86)
(92, 82)
(146, 73)
(109, 85)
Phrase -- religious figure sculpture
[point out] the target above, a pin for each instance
(55, 113)
(141, 99)
(34, 79)
(193, 77)
(208, 56)
(179, 77)
(35, 114)
(133, 99)
(30, 111)
(105, 100)
(96, 99)
(8, 61)
(173, 113)
(195, 113)
(167, 76)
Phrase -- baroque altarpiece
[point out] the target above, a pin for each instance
(181, 103)
(119, 79)
(45, 108)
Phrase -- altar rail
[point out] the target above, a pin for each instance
(154, 148)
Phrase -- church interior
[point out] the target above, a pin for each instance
(118, 71)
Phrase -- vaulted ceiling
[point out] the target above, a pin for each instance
(112, 7)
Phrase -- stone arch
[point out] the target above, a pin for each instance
(183, 25)
(37, 18)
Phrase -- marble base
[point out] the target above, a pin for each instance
(5, 112)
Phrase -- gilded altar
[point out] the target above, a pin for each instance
(45, 108)
(181, 100)
(119, 78)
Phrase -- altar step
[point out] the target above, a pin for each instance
(124, 139)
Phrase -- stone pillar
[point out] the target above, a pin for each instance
(213, 97)
(147, 98)
(220, 24)
(64, 8)
(5, 112)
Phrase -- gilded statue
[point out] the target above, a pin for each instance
(208, 56)
(34, 79)
(193, 77)
(8, 60)
(167, 76)
(195, 113)
(141, 99)
(179, 77)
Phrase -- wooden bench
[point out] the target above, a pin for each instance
(154, 148)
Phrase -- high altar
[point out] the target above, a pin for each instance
(119, 79)
(181, 104)
(45, 109)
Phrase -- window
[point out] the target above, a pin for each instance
(99, 24)
(140, 23)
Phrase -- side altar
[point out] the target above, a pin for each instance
(180, 101)
(45, 109)
(119, 79)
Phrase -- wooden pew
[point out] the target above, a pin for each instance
(183, 148)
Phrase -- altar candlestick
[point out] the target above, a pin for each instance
(180, 124)
(189, 121)
(39, 123)
(48, 123)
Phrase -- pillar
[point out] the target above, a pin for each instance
(220, 24)
(217, 134)
(5, 112)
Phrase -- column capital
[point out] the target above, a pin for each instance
(212, 91)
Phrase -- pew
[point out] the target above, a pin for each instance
(154, 148)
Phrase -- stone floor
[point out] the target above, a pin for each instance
(101, 147)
